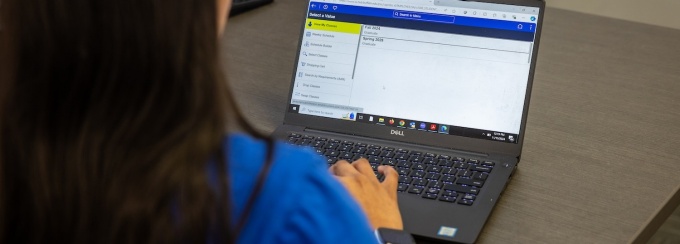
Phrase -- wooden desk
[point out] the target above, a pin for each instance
(601, 159)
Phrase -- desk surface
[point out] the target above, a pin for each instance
(601, 158)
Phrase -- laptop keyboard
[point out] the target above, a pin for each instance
(445, 178)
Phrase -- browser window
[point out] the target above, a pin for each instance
(442, 66)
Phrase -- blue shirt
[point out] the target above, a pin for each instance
(300, 201)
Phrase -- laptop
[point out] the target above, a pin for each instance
(439, 89)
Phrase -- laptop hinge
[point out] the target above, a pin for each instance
(405, 144)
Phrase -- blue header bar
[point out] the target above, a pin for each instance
(419, 16)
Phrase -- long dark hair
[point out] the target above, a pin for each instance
(109, 114)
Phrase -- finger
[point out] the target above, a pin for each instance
(391, 179)
(343, 168)
(363, 167)
(332, 168)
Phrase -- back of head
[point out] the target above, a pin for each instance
(109, 112)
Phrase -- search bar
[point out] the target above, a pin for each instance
(424, 16)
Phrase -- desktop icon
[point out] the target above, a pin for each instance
(533, 18)
(309, 34)
(422, 126)
(351, 116)
(443, 129)
(433, 127)
(306, 44)
(310, 24)
(304, 53)
(511, 138)
(412, 125)
(381, 120)
(304, 64)
(370, 119)
(402, 123)
(391, 121)
(300, 74)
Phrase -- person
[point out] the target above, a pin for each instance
(117, 126)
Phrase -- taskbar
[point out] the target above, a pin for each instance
(436, 128)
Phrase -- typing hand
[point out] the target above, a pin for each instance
(378, 200)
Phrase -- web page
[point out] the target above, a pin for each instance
(443, 69)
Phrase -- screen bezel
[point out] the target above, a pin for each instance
(423, 137)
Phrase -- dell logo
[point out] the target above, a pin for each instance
(397, 132)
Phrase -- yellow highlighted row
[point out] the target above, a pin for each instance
(326, 25)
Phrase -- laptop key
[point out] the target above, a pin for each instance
(403, 171)
(430, 196)
(435, 169)
(449, 178)
(418, 174)
(419, 182)
(428, 161)
(415, 153)
(461, 189)
(373, 152)
(387, 154)
(469, 197)
(417, 166)
(416, 190)
(389, 161)
(346, 156)
(402, 187)
(331, 153)
(404, 164)
(481, 169)
(349, 143)
(444, 162)
(464, 173)
(447, 157)
(401, 150)
(480, 176)
(344, 148)
(376, 147)
(470, 182)
(433, 176)
(415, 159)
(391, 149)
(488, 164)
(405, 179)
(450, 194)
(450, 171)
(433, 190)
(374, 159)
(447, 199)
(359, 150)
(295, 135)
(435, 184)
(401, 156)
(461, 165)
(430, 155)
(465, 202)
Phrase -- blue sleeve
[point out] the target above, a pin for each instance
(301, 202)
(326, 214)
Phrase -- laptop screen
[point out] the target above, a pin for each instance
(442, 66)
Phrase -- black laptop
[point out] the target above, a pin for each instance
(439, 89)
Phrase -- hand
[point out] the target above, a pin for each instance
(379, 200)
